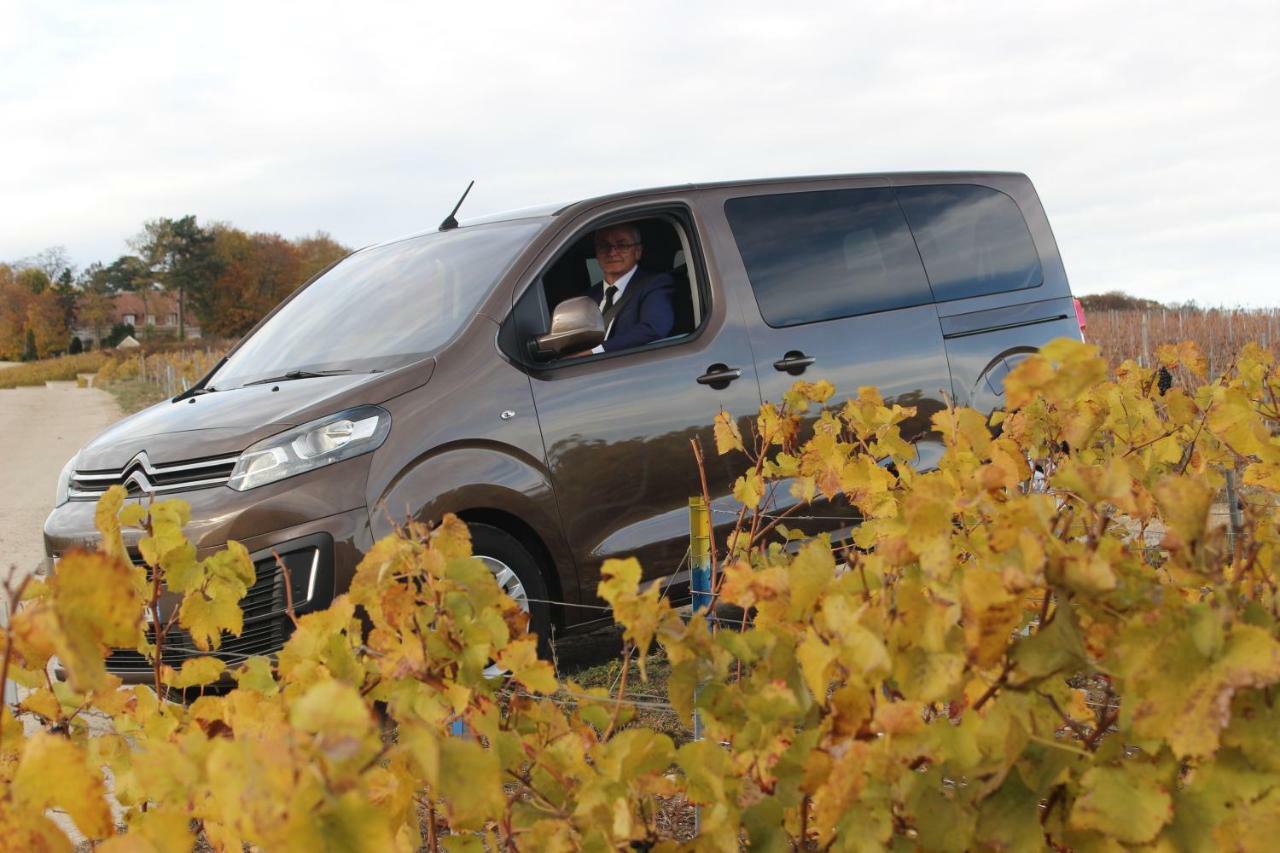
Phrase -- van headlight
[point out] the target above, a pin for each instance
(310, 446)
(64, 482)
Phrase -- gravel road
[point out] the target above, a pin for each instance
(40, 429)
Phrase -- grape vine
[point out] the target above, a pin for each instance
(1044, 642)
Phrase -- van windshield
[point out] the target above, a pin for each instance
(382, 307)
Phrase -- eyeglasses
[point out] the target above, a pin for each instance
(609, 248)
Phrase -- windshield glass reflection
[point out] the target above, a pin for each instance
(381, 308)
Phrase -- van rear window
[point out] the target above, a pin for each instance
(832, 253)
(973, 240)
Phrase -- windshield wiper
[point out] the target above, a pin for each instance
(296, 374)
(194, 391)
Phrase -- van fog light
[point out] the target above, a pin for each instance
(310, 446)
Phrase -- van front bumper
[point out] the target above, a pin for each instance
(318, 556)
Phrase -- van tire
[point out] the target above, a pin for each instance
(497, 544)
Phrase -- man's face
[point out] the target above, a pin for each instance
(617, 250)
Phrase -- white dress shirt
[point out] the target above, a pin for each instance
(621, 284)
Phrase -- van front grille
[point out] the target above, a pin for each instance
(142, 477)
(265, 608)
(265, 630)
(264, 638)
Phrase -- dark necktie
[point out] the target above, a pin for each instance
(609, 292)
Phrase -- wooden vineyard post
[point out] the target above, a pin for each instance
(1234, 517)
(1146, 355)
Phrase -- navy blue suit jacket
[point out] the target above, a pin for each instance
(648, 314)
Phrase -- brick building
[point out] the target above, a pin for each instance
(152, 314)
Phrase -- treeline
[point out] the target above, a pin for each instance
(222, 277)
(1118, 300)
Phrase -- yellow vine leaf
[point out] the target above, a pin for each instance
(106, 520)
(521, 659)
(1130, 805)
(815, 659)
(749, 489)
(54, 773)
(728, 436)
(990, 614)
(256, 674)
(206, 617)
(157, 830)
(471, 778)
(811, 572)
(194, 672)
(96, 605)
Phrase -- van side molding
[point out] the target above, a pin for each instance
(997, 319)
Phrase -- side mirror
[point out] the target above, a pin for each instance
(576, 324)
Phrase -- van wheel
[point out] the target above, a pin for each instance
(517, 572)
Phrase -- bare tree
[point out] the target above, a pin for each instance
(54, 262)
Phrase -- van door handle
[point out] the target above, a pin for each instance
(793, 362)
(719, 376)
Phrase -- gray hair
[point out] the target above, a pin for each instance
(635, 232)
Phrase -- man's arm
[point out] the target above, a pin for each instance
(657, 316)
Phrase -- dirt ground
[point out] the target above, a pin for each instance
(40, 429)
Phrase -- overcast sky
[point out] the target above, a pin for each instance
(1152, 131)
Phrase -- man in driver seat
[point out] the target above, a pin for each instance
(638, 305)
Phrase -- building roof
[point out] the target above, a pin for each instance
(158, 304)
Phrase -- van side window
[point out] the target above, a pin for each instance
(662, 278)
(821, 255)
(973, 239)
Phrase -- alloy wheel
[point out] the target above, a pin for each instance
(508, 580)
(512, 586)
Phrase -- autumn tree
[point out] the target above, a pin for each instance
(20, 288)
(228, 277)
(33, 279)
(47, 323)
(226, 308)
(257, 272)
(318, 252)
(13, 314)
(181, 254)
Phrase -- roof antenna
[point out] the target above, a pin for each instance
(449, 221)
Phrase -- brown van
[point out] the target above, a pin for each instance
(541, 373)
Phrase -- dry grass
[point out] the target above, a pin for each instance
(61, 369)
(652, 707)
(134, 395)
